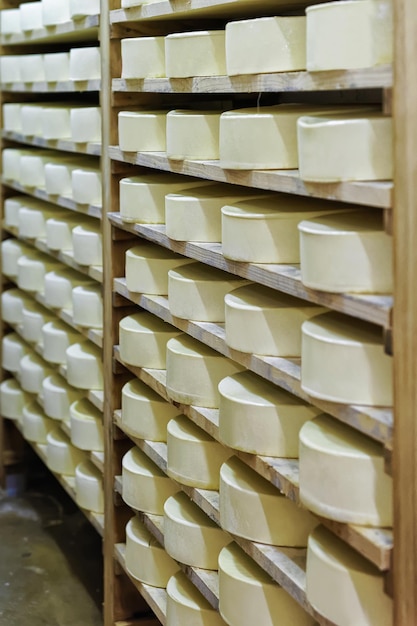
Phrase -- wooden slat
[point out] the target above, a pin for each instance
(64, 145)
(96, 397)
(78, 30)
(68, 86)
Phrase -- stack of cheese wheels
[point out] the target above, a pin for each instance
(35, 424)
(11, 208)
(147, 267)
(266, 44)
(191, 537)
(58, 396)
(32, 268)
(32, 371)
(11, 250)
(333, 27)
(85, 124)
(84, 366)
(12, 120)
(264, 230)
(87, 306)
(193, 457)
(13, 349)
(12, 301)
(360, 250)
(31, 68)
(253, 508)
(79, 8)
(59, 286)
(258, 417)
(55, 12)
(200, 53)
(343, 360)
(143, 340)
(145, 486)
(62, 457)
(349, 146)
(56, 66)
(10, 22)
(87, 244)
(13, 399)
(186, 606)
(194, 371)
(143, 57)
(342, 474)
(192, 134)
(30, 16)
(343, 586)
(146, 559)
(85, 64)
(142, 198)
(197, 291)
(89, 492)
(59, 231)
(86, 426)
(34, 317)
(260, 599)
(144, 413)
(262, 321)
(142, 131)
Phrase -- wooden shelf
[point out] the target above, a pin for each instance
(373, 193)
(68, 86)
(286, 278)
(97, 458)
(62, 201)
(65, 145)
(76, 30)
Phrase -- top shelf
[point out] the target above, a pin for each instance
(77, 30)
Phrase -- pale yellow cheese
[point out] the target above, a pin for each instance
(32, 371)
(61, 456)
(31, 119)
(147, 267)
(32, 168)
(89, 492)
(86, 426)
(32, 268)
(11, 251)
(13, 349)
(58, 178)
(252, 508)
(56, 338)
(59, 286)
(186, 606)
(142, 131)
(55, 12)
(34, 317)
(9, 69)
(31, 68)
(87, 305)
(30, 16)
(59, 231)
(11, 208)
(85, 63)
(85, 124)
(58, 396)
(85, 366)
(143, 57)
(134, 3)
(80, 8)
(13, 399)
(11, 162)
(87, 244)
(12, 118)
(192, 134)
(55, 122)
(56, 66)
(10, 21)
(32, 218)
(190, 536)
(143, 339)
(36, 425)
(196, 53)
(86, 185)
(12, 301)
(343, 360)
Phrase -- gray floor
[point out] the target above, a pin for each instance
(50, 559)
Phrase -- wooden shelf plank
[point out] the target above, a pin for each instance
(373, 193)
(96, 397)
(65, 145)
(286, 278)
(74, 30)
(68, 86)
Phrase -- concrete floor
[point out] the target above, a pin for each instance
(50, 558)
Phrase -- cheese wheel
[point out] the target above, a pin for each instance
(261, 600)
(343, 360)
(32, 168)
(9, 69)
(11, 162)
(85, 124)
(342, 475)
(133, 3)
(145, 486)
(258, 417)
(84, 63)
(30, 16)
(12, 120)
(186, 606)
(59, 232)
(58, 178)
(13, 399)
(197, 292)
(191, 537)
(31, 68)
(55, 12)
(144, 413)
(79, 8)
(349, 35)
(11, 208)
(360, 250)
(32, 371)
(58, 396)
(266, 44)
(31, 119)
(85, 366)
(87, 244)
(143, 57)
(264, 230)
(34, 317)
(86, 185)
(59, 286)
(12, 301)
(86, 426)
(89, 492)
(194, 371)
(32, 269)
(142, 131)
(192, 134)
(55, 122)
(199, 53)
(193, 457)
(87, 304)
(35, 424)
(345, 147)
(61, 456)
(343, 586)
(142, 198)
(143, 339)
(32, 218)
(56, 66)
(146, 560)
(147, 267)
(10, 21)
(251, 507)
(13, 350)
(11, 251)
(56, 338)
(266, 322)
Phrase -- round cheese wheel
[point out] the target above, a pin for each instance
(87, 305)
(264, 321)
(59, 232)
(12, 121)
(142, 131)
(56, 338)
(85, 124)
(85, 64)
(247, 595)
(191, 537)
(55, 122)
(143, 339)
(79, 8)
(32, 218)
(33, 370)
(145, 486)
(87, 244)
(193, 457)
(192, 134)
(85, 366)
(186, 606)
(13, 349)
(32, 168)
(30, 16)
(343, 586)
(199, 53)
(35, 424)
(62, 457)
(11, 251)
(146, 559)
(11, 210)
(86, 186)
(144, 413)
(143, 57)
(343, 360)
(31, 271)
(56, 67)
(55, 12)
(86, 426)
(58, 396)
(147, 268)
(31, 68)
(58, 177)
(342, 475)
(197, 291)
(31, 115)
(34, 317)
(258, 417)
(13, 399)
(10, 22)
(59, 286)
(89, 492)
(253, 508)
(12, 302)
(194, 371)
(10, 69)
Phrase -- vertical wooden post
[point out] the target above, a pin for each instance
(405, 313)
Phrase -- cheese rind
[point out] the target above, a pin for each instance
(13, 349)
(61, 456)
(57, 337)
(32, 371)
(192, 135)
(142, 131)
(58, 396)
(10, 21)
(32, 269)
(85, 63)
(13, 399)
(86, 426)
(34, 317)
(59, 232)
(85, 124)
(31, 68)
(147, 268)
(55, 12)
(12, 118)
(12, 301)
(143, 57)
(86, 185)
(59, 286)
(56, 66)
(87, 244)
(11, 251)
(11, 210)
(87, 304)
(143, 339)
(35, 424)
(55, 122)
(186, 605)
(89, 492)
(199, 53)
(85, 366)
(9, 69)
(80, 8)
